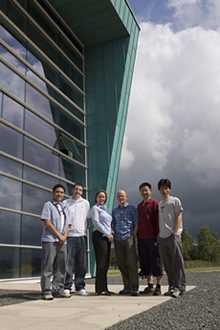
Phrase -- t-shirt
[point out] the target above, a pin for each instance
(148, 226)
(79, 211)
(167, 216)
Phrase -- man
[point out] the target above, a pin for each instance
(79, 210)
(171, 227)
(148, 248)
(54, 251)
(125, 223)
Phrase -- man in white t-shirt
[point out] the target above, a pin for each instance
(79, 212)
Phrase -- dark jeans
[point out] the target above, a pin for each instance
(76, 259)
(150, 257)
(102, 255)
(53, 263)
(172, 256)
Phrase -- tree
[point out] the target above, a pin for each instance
(187, 244)
(208, 244)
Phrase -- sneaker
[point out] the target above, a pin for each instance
(47, 297)
(134, 293)
(61, 295)
(169, 292)
(66, 291)
(157, 292)
(147, 290)
(125, 291)
(82, 292)
(176, 294)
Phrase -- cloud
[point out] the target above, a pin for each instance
(127, 157)
(189, 13)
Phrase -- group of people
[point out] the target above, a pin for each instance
(157, 226)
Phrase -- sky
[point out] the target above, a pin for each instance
(173, 122)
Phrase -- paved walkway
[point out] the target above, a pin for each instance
(84, 313)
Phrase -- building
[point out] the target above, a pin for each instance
(66, 70)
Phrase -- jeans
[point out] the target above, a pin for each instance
(76, 259)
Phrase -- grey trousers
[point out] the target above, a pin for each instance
(53, 264)
(172, 256)
(127, 262)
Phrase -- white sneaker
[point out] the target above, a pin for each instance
(82, 292)
(66, 291)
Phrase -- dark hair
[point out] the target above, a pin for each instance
(58, 186)
(98, 193)
(144, 184)
(77, 184)
(164, 182)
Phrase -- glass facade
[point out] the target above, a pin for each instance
(42, 134)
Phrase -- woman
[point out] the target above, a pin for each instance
(102, 237)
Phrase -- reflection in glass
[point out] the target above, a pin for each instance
(12, 82)
(72, 171)
(40, 178)
(32, 76)
(13, 112)
(10, 192)
(11, 141)
(10, 166)
(10, 224)
(9, 262)
(31, 230)
(12, 42)
(40, 156)
(34, 199)
(39, 128)
(30, 262)
(12, 60)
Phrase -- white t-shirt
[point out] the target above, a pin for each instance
(167, 216)
(79, 211)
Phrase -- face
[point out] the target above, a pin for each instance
(101, 198)
(145, 192)
(122, 197)
(165, 191)
(77, 192)
(58, 195)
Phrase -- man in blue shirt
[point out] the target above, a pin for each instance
(125, 223)
(54, 248)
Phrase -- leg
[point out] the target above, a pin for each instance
(101, 247)
(71, 251)
(167, 258)
(80, 262)
(131, 257)
(59, 268)
(178, 265)
(120, 253)
(48, 255)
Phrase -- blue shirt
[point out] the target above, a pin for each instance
(124, 220)
(51, 212)
(102, 219)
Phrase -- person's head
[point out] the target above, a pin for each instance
(164, 187)
(77, 190)
(58, 192)
(122, 197)
(101, 197)
(145, 190)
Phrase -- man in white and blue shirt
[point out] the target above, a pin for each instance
(125, 224)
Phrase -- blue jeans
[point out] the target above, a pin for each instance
(76, 259)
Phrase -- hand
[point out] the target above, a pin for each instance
(110, 237)
(62, 239)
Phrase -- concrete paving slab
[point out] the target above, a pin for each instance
(81, 313)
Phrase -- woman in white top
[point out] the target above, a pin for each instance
(102, 237)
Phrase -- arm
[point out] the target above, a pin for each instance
(177, 223)
(52, 229)
(87, 223)
(135, 229)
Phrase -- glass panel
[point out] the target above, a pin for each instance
(12, 60)
(10, 224)
(39, 128)
(10, 192)
(40, 178)
(11, 141)
(12, 82)
(13, 112)
(12, 42)
(9, 262)
(67, 123)
(31, 231)
(72, 172)
(1, 104)
(40, 156)
(10, 166)
(31, 75)
(34, 199)
(30, 262)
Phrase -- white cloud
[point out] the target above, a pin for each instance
(127, 156)
(174, 115)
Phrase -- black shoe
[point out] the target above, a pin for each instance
(147, 290)
(111, 292)
(134, 293)
(125, 291)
